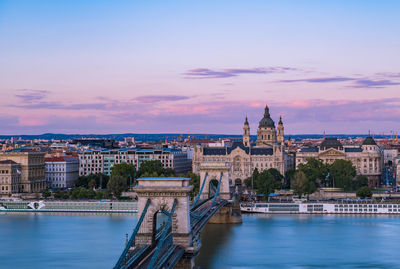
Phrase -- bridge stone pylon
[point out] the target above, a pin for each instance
(212, 171)
(162, 193)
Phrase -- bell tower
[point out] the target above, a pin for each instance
(246, 133)
(281, 138)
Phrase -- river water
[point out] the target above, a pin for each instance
(44, 240)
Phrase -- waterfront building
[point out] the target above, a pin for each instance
(244, 156)
(9, 177)
(101, 160)
(32, 178)
(62, 172)
(367, 158)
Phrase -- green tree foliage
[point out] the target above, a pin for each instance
(46, 194)
(276, 174)
(265, 183)
(288, 178)
(360, 181)
(299, 183)
(315, 171)
(125, 170)
(343, 173)
(364, 192)
(194, 181)
(155, 168)
(150, 167)
(117, 184)
(92, 181)
(247, 182)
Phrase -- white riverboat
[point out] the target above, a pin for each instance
(321, 208)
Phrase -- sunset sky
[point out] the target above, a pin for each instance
(198, 66)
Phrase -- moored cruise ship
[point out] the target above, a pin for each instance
(320, 208)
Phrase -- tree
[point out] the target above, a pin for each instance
(125, 170)
(169, 172)
(92, 183)
(299, 183)
(247, 182)
(364, 192)
(359, 181)
(343, 172)
(315, 171)
(276, 174)
(57, 194)
(117, 184)
(194, 181)
(266, 184)
(46, 194)
(65, 194)
(153, 166)
(99, 195)
(82, 181)
(288, 178)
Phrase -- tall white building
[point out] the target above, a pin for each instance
(61, 172)
(101, 160)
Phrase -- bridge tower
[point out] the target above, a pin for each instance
(162, 193)
(211, 172)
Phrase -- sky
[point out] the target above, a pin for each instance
(199, 66)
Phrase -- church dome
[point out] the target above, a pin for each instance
(331, 142)
(369, 141)
(266, 121)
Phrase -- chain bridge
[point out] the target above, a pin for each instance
(167, 234)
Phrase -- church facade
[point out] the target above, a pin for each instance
(244, 156)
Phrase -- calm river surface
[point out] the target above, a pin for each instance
(45, 240)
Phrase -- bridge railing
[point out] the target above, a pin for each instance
(133, 236)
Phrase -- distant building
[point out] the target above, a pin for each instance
(32, 178)
(9, 177)
(367, 158)
(96, 142)
(101, 160)
(62, 172)
(244, 156)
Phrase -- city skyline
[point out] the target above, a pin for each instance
(198, 67)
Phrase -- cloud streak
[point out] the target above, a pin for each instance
(29, 96)
(319, 80)
(205, 73)
(368, 83)
(357, 82)
(159, 98)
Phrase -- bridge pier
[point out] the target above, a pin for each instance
(185, 263)
(229, 214)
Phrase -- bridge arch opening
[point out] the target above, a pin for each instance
(213, 185)
(160, 219)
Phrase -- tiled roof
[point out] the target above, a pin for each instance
(7, 162)
(238, 144)
(353, 149)
(61, 159)
(262, 151)
(214, 151)
(315, 149)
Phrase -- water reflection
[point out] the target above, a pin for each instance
(213, 238)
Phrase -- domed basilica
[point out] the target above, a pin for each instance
(244, 156)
